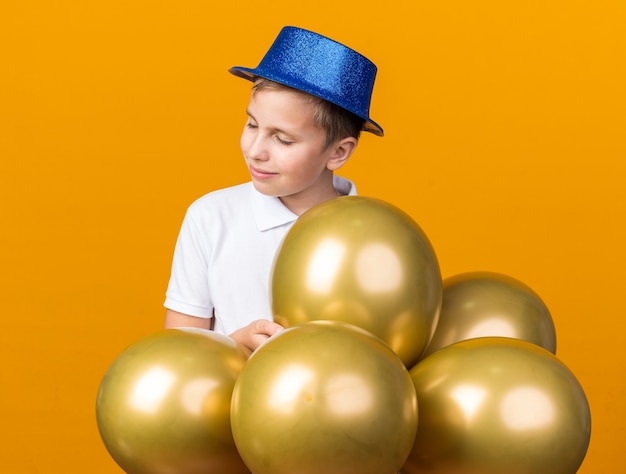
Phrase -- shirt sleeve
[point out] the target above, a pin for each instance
(188, 290)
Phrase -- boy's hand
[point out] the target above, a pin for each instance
(255, 333)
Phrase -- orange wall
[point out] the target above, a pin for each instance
(504, 139)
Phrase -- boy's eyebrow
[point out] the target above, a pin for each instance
(275, 129)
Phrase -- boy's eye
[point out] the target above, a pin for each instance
(250, 125)
(283, 142)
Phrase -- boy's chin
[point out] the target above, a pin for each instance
(265, 190)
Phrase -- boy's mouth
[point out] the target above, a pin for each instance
(261, 174)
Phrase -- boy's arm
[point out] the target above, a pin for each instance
(174, 319)
(255, 333)
(250, 336)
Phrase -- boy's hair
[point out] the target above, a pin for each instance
(336, 121)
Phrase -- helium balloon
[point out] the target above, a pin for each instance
(324, 397)
(163, 405)
(494, 405)
(483, 304)
(364, 262)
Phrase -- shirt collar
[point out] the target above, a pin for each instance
(270, 212)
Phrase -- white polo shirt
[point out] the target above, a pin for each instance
(225, 252)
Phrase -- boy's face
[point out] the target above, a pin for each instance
(283, 147)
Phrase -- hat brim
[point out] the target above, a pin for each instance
(253, 74)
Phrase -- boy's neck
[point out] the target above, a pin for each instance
(299, 203)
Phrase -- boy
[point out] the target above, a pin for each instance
(309, 102)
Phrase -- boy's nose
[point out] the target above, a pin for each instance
(258, 149)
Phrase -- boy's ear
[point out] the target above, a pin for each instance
(341, 151)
